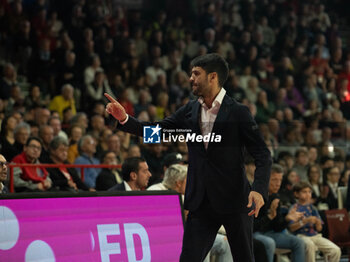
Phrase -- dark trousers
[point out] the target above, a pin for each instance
(202, 226)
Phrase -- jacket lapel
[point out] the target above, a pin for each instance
(195, 114)
(195, 120)
(221, 118)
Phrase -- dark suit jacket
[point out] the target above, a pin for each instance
(219, 170)
(105, 180)
(118, 187)
(331, 199)
(5, 190)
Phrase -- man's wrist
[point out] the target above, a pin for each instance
(125, 120)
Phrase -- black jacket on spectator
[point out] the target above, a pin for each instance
(118, 187)
(263, 223)
(105, 180)
(60, 181)
(10, 150)
(331, 200)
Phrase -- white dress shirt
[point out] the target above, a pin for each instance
(127, 187)
(208, 115)
(334, 188)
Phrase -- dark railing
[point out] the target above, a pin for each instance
(82, 167)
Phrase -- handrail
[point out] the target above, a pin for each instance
(81, 166)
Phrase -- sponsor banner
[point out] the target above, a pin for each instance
(103, 228)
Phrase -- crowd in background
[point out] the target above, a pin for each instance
(289, 63)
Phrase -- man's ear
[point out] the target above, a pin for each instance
(178, 183)
(296, 195)
(214, 77)
(133, 176)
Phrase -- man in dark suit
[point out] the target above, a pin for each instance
(217, 191)
(135, 173)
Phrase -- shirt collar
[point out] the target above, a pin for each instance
(334, 185)
(127, 187)
(217, 101)
(1, 187)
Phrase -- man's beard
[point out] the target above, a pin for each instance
(196, 90)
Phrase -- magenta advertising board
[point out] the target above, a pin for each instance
(91, 228)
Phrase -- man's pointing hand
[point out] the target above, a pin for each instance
(115, 109)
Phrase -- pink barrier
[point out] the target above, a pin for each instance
(93, 228)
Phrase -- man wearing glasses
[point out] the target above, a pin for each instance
(3, 175)
(30, 179)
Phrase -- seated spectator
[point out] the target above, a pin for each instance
(55, 123)
(41, 116)
(63, 101)
(97, 124)
(135, 173)
(114, 145)
(90, 71)
(21, 132)
(30, 179)
(34, 98)
(97, 88)
(174, 179)
(76, 132)
(308, 226)
(3, 175)
(271, 225)
(87, 149)
(134, 151)
(7, 137)
(264, 108)
(286, 190)
(46, 135)
(8, 80)
(68, 72)
(153, 71)
(293, 98)
(102, 146)
(301, 163)
(80, 119)
(64, 179)
(15, 101)
(108, 177)
(318, 192)
(332, 177)
(67, 117)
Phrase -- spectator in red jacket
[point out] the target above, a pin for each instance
(30, 179)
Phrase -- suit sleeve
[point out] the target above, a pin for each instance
(255, 145)
(135, 126)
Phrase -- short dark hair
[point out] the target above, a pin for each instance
(131, 164)
(301, 185)
(104, 154)
(30, 139)
(212, 63)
